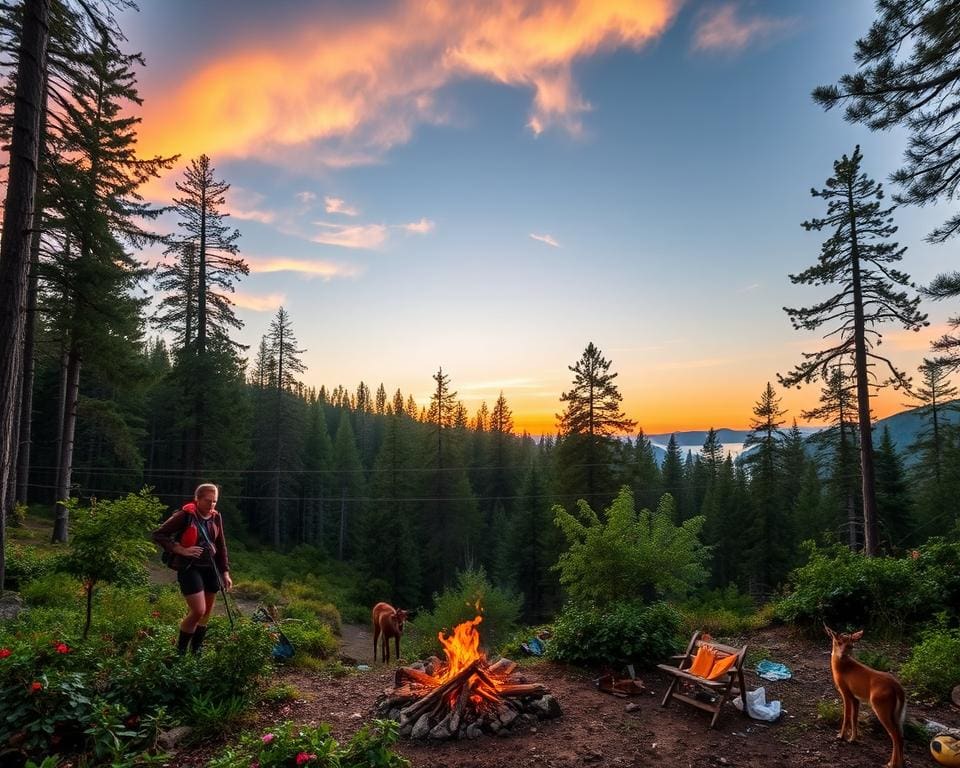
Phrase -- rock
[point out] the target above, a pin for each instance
(421, 728)
(405, 730)
(441, 731)
(632, 707)
(507, 715)
(168, 740)
(474, 730)
(593, 756)
(11, 605)
(546, 707)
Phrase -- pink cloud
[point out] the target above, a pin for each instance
(722, 28)
(421, 227)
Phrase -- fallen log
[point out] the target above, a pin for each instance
(405, 674)
(438, 694)
(523, 689)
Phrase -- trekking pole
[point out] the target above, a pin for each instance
(213, 562)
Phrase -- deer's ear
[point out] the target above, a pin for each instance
(856, 635)
(830, 633)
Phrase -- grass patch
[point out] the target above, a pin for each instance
(829, 712)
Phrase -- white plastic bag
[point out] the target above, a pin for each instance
(758, 707)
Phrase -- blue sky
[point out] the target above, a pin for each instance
(490, 186)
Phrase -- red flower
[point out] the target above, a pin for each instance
(4, 652)
(36, 686)
(155, 614)
(62, 648)
(303, 758)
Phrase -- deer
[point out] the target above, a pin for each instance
(856, 682)
(387, 623)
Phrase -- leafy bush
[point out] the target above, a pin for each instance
(314, 611)
(621, 633)
(471, 594)
(847, 590)
(724, 612)
(53, 590)
(110, 542)
(311, 638)
(24, 564)
(629, 555)
(934, 664)
(257, 589)
(292, 745)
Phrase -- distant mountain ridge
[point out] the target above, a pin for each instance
(904, 428)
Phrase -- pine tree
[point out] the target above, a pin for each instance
(380, 407)
(857, 257)
(673, 476)
(282, 346)
(647, 484)
(590, 421)
(837, 446)
(388, 548)
(909, 76)
(349, 488)
(894, 504)
(768, 536)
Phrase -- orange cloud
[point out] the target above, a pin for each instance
(267, 303)
(309, 267)
(722, 29)
(343, 94)
(337, 205)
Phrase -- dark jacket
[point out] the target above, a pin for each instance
(181, 527)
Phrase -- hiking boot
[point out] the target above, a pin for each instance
(198, 636)
(183, 641)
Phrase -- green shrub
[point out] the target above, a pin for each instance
(628, 555)
(311, 638)
(934, 664)
(847, 590)
(53, 590)
(471, 594)
(314, 611)
(619, 634)
(257, 589)
(875, 660)
(289, 744)
(24, 564)
(724, 612)
(281, 692)
(829, 711)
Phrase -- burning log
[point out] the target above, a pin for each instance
(464, 696)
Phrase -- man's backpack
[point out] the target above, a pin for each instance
(165, 556)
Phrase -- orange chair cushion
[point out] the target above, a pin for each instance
(703, 661)
(721, 666)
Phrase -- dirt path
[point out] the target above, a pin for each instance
(596, 729)
(356, 644)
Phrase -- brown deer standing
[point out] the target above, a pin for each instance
(387, 623)
(857, 682)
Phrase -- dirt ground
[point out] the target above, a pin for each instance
(597, 729)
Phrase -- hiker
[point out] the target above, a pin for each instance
(197, 556)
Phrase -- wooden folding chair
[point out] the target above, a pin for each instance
(718, 691)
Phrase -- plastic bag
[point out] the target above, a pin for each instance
(758, 707)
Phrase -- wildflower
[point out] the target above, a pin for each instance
(155, 614)
(303, 758)
(4, 652)
(915, 554)
(255, 764)
(62, 648)
(266, 738)
(36, 686)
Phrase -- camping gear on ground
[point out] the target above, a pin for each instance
(946, 750)
(282, 648)
(701, 692)
(773, 671)
(758, 707)
(620, 686)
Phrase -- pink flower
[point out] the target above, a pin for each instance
(303, 757)
(4, 652)
(255, 764)
(266, 738)
(62, 648)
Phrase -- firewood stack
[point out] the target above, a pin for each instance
(429, 703)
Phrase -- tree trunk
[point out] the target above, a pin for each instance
(86, 625)
(18, 211)
(343, 521)
(65, 464)
(863, 395)
(29, 363)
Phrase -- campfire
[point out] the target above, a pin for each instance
(464, 695)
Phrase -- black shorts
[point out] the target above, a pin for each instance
(197, 578)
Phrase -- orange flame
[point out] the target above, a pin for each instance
(462, 647)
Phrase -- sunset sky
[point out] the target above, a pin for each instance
(489, 186)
